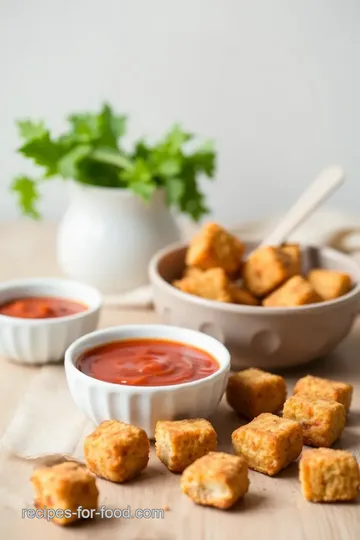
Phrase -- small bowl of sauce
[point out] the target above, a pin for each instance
(144, 373)
(41, 307)
(41, 317)
(147, 362)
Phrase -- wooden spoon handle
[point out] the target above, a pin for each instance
(320, 189)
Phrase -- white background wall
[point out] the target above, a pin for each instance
(276, 82)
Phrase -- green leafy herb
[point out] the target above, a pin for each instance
(29, 130)
(68, 164)
(28, 195)
(90, 151)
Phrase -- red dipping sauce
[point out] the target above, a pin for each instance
(147, 362)
(41, 307)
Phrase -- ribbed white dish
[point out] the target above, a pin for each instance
(41, 341)
(143, 406)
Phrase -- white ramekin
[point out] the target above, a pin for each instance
(41, 341)
(143, 406)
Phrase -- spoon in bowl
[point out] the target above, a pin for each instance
(324, 185)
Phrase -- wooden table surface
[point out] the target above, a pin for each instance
(274, 507)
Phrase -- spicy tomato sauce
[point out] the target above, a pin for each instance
(147, 362)
(41, 307)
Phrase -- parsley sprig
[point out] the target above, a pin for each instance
(90, 151)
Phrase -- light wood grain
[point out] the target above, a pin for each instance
(274, 507)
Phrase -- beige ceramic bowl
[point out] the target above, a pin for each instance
(259, 336)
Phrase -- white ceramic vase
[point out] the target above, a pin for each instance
(108, 236)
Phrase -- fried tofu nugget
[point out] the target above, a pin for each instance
(214, 247)
(180, 442)
(265, 269)
(294, 252)
(212, 284)
(322, 420)
(326, 389)
(268, 443)
(240, 295)
(116, 451)
(191, 271)
(295, 292)
(329, 284)
(253, 391)
(217, 479)
(65, 487)
(328, 475)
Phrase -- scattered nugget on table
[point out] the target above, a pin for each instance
(329, 284)
(328, 475)
(65, 487)
(325, 388)
(268, 443)
(253, 391)
(266, 269)
(116, 451)
(217, 479)
(322, 420)
(294, 292)
(214, 247)
(179, 443)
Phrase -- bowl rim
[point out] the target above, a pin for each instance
(71, 354)
(62, 283)
(157, 279)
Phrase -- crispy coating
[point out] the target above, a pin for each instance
(252, 391)
(217, 479)
(212, 284)
(191, 271)
(268, 443)
(293, 250)
(116, 451)
(324, 388)
(179, 443)
(240, 295)
(214, 247)
(328, 475)
(265, 269)
(322, 420)
(295, 292)
(329, 284)
(65, 487)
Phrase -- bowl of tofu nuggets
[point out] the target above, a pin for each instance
(272, 306)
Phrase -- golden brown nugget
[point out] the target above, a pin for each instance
(218, 479)
(295, 292)
(179, 443)
(322, 420)
(65, 488)
(329, 284)
(324, 388)
(328, 475)
(191, 271)
(294, 251)
(240, 295)
(214, 247)
(266, 268)
(212, 284)
(116, 451)
(252, 391)
(268, 443)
